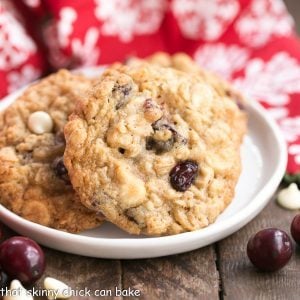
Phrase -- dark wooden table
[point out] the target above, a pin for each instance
(219, 271)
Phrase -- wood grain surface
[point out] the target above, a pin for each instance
(240, 280)
(191, 275)
(220, 271)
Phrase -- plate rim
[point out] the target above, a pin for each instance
(229, 225)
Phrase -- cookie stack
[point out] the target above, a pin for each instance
(152, 146)
(34, 182)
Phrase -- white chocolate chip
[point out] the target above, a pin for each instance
(17, 292)
(289, 198)
(56, 289)
(40, 122)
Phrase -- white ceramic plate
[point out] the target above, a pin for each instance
(264, 159)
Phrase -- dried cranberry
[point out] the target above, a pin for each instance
(60, 170)
(183, 175)
(164, 146)
(159, 146)
(126, 90)
(121, 92)
(162, 123)
(129, 216)
(60, 138)
(122, 150)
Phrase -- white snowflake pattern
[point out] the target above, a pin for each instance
(127, 18)
(17, 79)
(67, 17)
(33, 3)
(263, 19)
(222, 59)
(15, 45)
(290, 126)
(204, 19)
(295, 151)
(86, 51)
(56, 57)
(271, 81)
(278, 113)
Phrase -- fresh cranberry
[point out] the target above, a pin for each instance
(22, 258)
(270, 249)
(295, 229)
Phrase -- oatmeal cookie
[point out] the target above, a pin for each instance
(154, 149)
(34, 182)
(184, 63)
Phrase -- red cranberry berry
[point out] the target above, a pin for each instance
(60, 170)
(295, 229)
(22, 258)
(270, 249)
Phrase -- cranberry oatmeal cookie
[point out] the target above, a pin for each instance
(34, 182)
(155, 150)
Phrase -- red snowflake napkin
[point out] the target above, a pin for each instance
(249, 42)
(20, 59)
